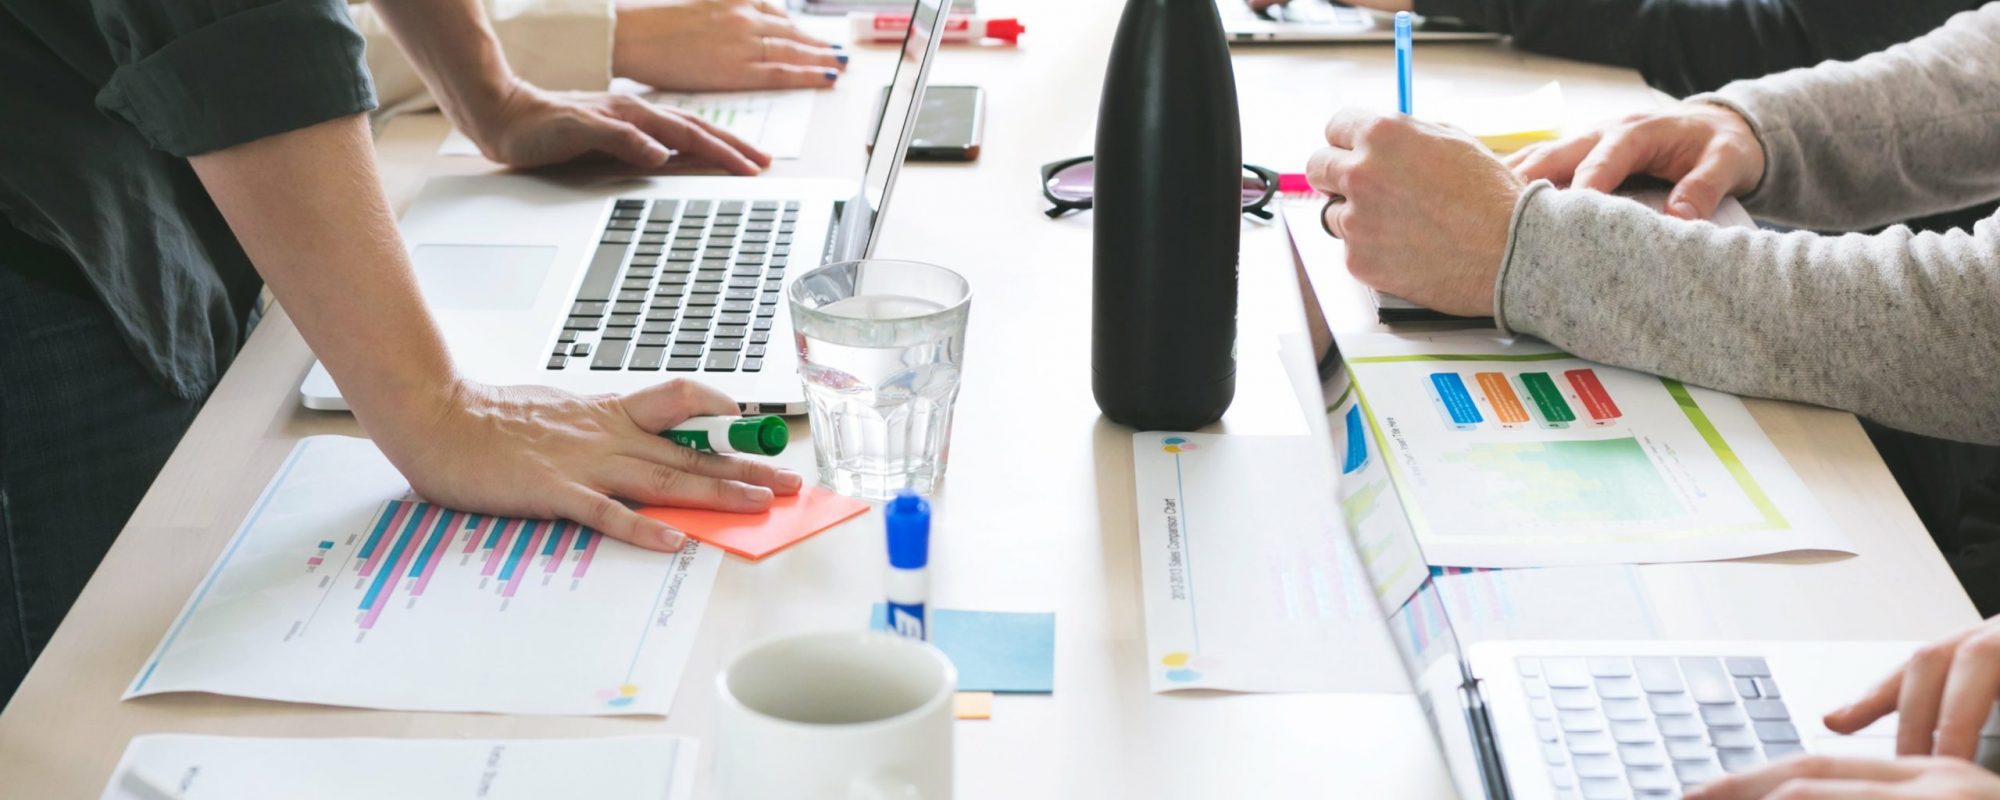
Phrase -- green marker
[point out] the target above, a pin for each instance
(759, 436)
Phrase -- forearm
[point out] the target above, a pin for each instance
(1898, 134)
(308, 209)
(1901, 328)
(450, 45)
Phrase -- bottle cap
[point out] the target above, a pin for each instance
(764, 436)
(1008, 30)
(909, 520)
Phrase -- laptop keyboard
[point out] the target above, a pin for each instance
(1618, 727)
(682, 286)
(1304, 12)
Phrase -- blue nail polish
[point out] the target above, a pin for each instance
(838, 46)
(831, 75)
(842, 58)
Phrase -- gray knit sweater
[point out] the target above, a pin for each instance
(1899, 327)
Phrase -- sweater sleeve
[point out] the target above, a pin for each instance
(1688, 46)
(553, 44)
(1903, 133)
(1899, 327)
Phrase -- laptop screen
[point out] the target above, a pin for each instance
(861, 221)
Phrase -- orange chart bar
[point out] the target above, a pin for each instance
(1507, 406)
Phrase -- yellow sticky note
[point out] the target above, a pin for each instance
(973, 705)
(1506, 124)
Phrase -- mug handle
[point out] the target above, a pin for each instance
(885, 785)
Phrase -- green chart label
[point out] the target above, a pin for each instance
(1547, 397)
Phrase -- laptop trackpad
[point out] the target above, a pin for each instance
(481, 277)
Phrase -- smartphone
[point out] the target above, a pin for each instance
(949, 126)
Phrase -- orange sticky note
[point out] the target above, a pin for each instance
(972, 705)
(754, 536)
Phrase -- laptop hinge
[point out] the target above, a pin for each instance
(1485, 746)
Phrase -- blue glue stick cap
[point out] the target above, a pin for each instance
(909, 520)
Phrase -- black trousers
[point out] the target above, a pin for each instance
(1955, 488)
(83, 430)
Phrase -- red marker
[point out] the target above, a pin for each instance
(962, 28)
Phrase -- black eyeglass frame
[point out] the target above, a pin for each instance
(1259, 208)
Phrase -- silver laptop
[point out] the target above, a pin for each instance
(1618, 719)
(1304, 21)
(612, 285)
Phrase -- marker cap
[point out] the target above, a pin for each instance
(909, 520)
(1008, 30)
(764, 436)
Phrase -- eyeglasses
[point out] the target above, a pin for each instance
(1070, 185)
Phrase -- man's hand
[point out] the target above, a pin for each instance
(1941, 696)
(1423, 208)
(711, 45)
(1823, 778)
(1378, 5)
(543, 453)
(1706, 150)
(532, 128)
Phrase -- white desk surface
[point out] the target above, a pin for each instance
(1037, 513)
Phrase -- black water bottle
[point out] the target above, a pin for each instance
(1168, 205)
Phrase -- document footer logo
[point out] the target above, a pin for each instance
(1185, 668)
(1176, 444)
(619, 697)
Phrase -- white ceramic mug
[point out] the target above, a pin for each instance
(826, 716)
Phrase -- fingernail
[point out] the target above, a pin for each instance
(838, 46)
(790, 481)
(831, 75)
(842, 58)
(1685, 210)
(672, 538)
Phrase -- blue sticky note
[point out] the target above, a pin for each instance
(994, 651)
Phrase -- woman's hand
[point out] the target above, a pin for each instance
(1824, 778)
(530, 127)
(1424, 208)
(1941, 697)
(1706, 150)
(543, 453)
(708, 45)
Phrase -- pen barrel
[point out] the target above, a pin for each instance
(762, 436)
(908, 597)
(1168, 203)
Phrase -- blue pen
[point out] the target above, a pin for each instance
(909, 522)
(1403, 54)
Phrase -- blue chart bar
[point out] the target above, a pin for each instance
(381, 525)
(582, 538)
(1452, 396)
(387, 571)
(1357, 441)
(493, 536)
(520, 546)
(431, 545)
(555, 538)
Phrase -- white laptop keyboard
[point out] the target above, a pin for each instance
(680, 285)
(1301, 12)
(1616, 727)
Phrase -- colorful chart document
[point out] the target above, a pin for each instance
(1509, 453)
(233, 768)
(775, 122)
(1251, 584)
(342, 589)
(1369, 506)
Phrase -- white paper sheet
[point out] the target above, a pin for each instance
(1615, 467)
(776, 121)
(341, 589)
(171, 767)
(1250, 582)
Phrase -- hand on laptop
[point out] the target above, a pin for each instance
(532, 127)
(1423, 208)
(1826, 778)
(1707, 150)
(708, 45)
(1378, 5)
(547, 454)
(1941, 697)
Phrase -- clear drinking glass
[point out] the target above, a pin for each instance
(880, 348)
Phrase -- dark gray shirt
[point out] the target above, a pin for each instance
(101, 104)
